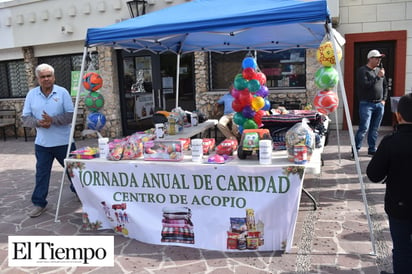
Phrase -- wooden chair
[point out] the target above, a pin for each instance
(27, 129)
(8, 119)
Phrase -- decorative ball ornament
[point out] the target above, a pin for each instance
(325, 54)
(96, 121)
(326, 101)
(94, 101)
(326, 77)
(92, 81)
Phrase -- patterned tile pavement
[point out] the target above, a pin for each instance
(335, 238)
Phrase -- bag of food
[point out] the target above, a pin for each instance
(300, 134)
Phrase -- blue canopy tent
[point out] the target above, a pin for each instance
(223, 26)
(216, 25)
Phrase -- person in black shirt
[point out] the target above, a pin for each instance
(372, 92)
(391, 164)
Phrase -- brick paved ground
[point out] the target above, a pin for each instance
(335, 238)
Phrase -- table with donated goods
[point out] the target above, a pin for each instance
(239, 205)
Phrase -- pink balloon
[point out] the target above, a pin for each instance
(235, 93)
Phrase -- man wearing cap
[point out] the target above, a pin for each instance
(372, 92)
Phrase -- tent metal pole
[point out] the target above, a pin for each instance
(352, 139)
(337, 135)
(71, 134)
(177, 79)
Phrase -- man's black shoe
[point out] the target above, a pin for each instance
(371, 153)
(352, 155)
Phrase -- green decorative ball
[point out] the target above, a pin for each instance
(326, 77)
(94, 101)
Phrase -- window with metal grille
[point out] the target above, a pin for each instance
(13, 76)
(284, 69)
(13, 79)
(65, 64)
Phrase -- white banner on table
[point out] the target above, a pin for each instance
(217, 207)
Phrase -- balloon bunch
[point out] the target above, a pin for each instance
(250, 93)
(326, 78)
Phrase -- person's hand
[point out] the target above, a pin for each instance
(46, 121)
(44, 124)
(381, 72)
(46, 117)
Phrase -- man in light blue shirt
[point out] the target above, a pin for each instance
(226, 125)
(49, 109)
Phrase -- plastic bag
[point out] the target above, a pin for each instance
(116, 150)
(300, 134)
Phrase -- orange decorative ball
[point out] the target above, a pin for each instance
(92, 81)
(326, 101)
(325, 54)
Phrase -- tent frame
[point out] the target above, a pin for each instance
(329, 30)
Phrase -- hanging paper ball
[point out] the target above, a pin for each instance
(92, 81)
(249, 62)
(325, 54)
(326, 101)
(96, 121)
(94, 101)
(326, 77)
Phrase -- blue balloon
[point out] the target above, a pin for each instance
(267, 105)
(249, 62)
(240, 129)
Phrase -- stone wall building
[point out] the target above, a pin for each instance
(32, 30)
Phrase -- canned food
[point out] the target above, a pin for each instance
(300, 154)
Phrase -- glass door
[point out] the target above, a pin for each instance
(147, 83)
(138, 82)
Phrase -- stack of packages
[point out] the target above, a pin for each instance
(177, 226)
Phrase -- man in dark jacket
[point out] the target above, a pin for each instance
(392, 163)
(372, 92)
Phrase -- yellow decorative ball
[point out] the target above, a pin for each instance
(325, 54)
